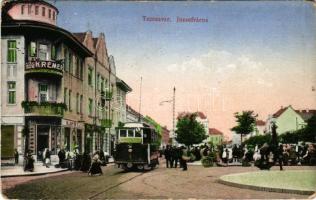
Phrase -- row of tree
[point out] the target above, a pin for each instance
(190, 131)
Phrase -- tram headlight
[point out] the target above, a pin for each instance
(130, 150)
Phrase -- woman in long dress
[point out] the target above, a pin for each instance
(95, 165)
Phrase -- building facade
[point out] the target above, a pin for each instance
(216, 137)
(58, 89)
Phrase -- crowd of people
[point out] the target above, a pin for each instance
(86, 162)
(263, 156)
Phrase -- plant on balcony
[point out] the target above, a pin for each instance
(106, 123)
(53, 107)
(108, 95)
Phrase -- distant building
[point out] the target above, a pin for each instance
(287, 119)
(132, 115)
(215, 136)
(259, 129)
(165, 136)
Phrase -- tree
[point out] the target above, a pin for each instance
(309, 133)
(246, 122)
(189, 131)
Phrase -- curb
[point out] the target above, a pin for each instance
(266, 189)
(32, 174)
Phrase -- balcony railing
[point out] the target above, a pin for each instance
(44, 108)
(107, 123)
(44, 66)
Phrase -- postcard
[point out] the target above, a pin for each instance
(158, 99)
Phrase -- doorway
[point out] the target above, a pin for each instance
(42, 139)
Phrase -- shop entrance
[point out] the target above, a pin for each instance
(42, 139)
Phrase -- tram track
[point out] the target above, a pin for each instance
(115, 185)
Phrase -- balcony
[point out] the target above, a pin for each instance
(54, 67)
(33, 108)
(106, 123)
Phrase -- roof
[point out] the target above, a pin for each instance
(124, 86)
(260, 123)
(306, 114)
(38, 29)
(214, 131)
(80, 36)
(279, 112)
(6, 5)
(201, 115)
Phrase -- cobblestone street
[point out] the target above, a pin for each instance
(197, 182)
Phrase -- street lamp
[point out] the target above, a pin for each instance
(173, 101)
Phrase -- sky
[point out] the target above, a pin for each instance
(249, 55)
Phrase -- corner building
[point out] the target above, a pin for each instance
(57, 88)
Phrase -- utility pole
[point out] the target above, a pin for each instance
(140, 98)
(174, 111)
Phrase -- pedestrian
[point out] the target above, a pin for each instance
(29, 162)
(46, 157)
(95, 165)
(184, 158)
(168, 156)
(224, 156)
(62, 157)
(16, 156)
(280, 156)
(86, 162)
(174, 157)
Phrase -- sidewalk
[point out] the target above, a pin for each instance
(39, 169)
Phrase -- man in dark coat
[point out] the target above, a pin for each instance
(62, 157)
(168, 156)
(280, 156)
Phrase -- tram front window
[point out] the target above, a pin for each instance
(130, 133)
(138, 133)
(123, 133)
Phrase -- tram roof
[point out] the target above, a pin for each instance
(135, 125)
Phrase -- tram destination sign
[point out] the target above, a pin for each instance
(43, 64)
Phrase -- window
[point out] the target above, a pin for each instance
(77, 66)
(66, 56)
(11, 51)
(32, 49)
(53, 52)
(138, 133)
(43, 92)
(22, 9)
(36, 10)
(81, 68)
(65, 96)
(102, 84)
(43, 11)
(90, 72)
(69, 98)
(49, 13)
(29, 9)
(70, 63)
(130, 133)
(54, 15)
(43, 52)
(12, 92)
(90, 107)
(11, 71)
(98, 81)
(122, 133)
(81, 101)
(77, 103)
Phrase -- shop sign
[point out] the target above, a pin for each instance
(43, 64)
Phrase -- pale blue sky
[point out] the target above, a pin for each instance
(273, 41)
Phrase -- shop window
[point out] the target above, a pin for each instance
(32, 49)
(11, 92)
(43, 92)
(11, 57)
(43, 52)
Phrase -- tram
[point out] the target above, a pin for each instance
(136, 147)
